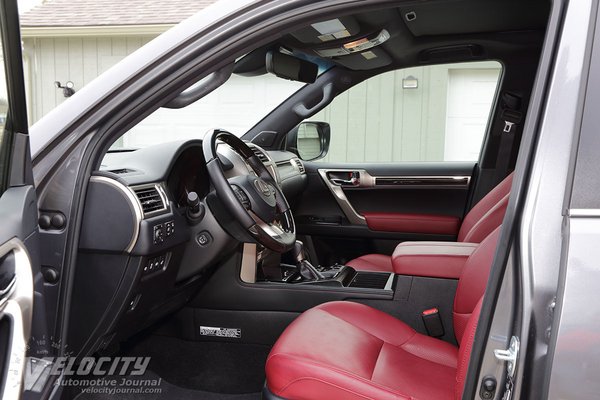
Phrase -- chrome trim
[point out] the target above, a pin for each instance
(583, 212)
(390, 282)
(420, 181)
(161, 192)
(4, 292)
(18, 305)
(133, 199)
(340, 197)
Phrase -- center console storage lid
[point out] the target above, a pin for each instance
(431, 259)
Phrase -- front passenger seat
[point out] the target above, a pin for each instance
(345, 350)
(486, 216)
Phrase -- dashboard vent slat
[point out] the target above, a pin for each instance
(150, 199)
(299, 165)
(259, 154)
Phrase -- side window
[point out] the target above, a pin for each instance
(430, 113)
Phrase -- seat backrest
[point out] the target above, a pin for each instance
(464, 351)
(487, 215)
(472, 282)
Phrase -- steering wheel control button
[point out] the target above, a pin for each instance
(242, 196)
(159, 234)
(204, 238)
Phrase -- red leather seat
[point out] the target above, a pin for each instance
(486, 216)
(345, 350)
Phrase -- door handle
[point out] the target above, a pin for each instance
(353, 181)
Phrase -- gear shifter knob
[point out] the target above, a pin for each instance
(298, 252)
(307, 271)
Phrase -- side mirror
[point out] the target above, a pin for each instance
(309, 140)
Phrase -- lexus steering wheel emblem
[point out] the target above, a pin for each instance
(262, 187)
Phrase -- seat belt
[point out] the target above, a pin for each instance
(511, 116)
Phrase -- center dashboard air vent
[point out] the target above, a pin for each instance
(298, 163)
(151, 199)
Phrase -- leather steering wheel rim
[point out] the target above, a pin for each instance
(256, 202)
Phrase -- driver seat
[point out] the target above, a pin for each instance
(346, 350)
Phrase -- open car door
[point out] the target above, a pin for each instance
(18, 211)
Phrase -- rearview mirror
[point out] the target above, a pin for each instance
(309, 140)
(292, 68)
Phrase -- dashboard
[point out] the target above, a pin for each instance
(140, 255)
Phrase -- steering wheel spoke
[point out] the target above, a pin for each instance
(254, 199)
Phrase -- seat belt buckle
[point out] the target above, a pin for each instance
(508, 126)
(511, 118)
(433, 322)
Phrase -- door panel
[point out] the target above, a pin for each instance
(349, 211)
(18, 213)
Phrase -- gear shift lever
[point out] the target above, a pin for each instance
(307, 271)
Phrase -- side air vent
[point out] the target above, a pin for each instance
(259, 153)
(298, 163)
(151, 200)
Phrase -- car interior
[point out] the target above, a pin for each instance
(247, 268)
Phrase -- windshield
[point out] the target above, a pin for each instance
(236, 106)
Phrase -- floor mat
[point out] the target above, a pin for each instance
(207, 366)
(138, 388)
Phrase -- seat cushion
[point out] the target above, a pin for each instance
(345, 350)
(372, 262)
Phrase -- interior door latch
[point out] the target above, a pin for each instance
(510, 356)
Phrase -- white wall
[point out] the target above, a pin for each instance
(76, 59)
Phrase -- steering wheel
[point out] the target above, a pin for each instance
(255, 201)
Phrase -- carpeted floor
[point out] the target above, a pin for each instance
(193, 370)
(163, 391)
(209, 366)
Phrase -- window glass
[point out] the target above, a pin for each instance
(430, 113)
(235, 106)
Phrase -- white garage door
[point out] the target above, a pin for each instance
(470, 96)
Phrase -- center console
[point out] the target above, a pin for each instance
(303, 273)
